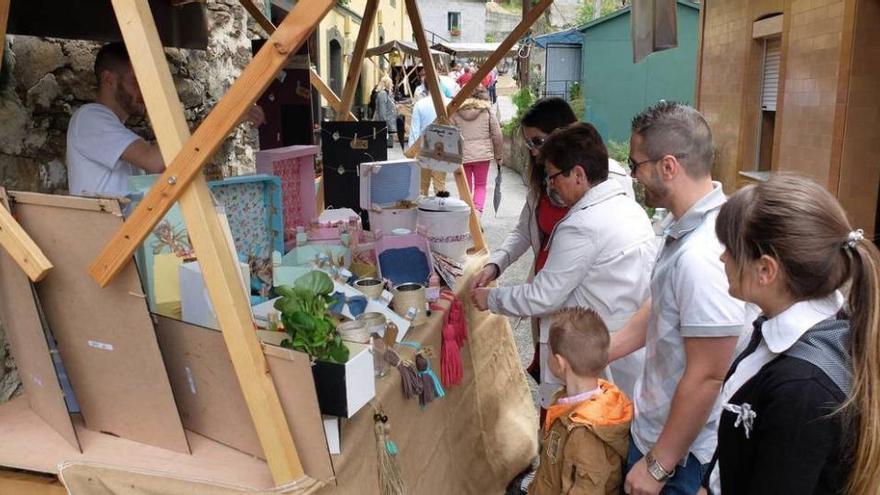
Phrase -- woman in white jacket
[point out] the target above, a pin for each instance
(599, 255)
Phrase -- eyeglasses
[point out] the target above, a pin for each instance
(557, 174)
(634, 165)
(534, 143)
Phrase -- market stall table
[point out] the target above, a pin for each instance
(473, 440)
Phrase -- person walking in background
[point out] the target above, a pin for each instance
(482, 142)
(423, 114)
(386, 110)
(800, 409)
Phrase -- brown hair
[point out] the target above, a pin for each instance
(671, 128)
(802, 226)
(111, 57)
(547, 114)
(581, 337)
(576, 145)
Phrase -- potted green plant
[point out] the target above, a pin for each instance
(343, 372)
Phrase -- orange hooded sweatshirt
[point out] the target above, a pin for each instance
(585, 445)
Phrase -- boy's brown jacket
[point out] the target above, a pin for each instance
(585, 446)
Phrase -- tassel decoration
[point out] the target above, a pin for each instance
(431, 387)
(409, 377)
(390, 479)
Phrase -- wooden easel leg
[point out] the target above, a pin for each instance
(328, 94)
(218, 265)
(360, 50)
(4, 19)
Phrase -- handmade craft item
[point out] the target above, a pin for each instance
(445, 221)
(442, 148)
(431, 387)
(454, 335)
(295, 165)
(389, 190)
(410, 302)
(353, 331)
(390, 479)
(370, 286)
(409, 375)
(404, 258)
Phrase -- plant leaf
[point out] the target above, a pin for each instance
(315, 281)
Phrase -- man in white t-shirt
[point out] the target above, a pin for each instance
(689, 327)
(101, 152)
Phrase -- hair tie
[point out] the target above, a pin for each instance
(854, 238)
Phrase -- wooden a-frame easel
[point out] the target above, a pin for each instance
(183, 181)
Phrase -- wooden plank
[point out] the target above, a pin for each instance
(24, 329)
(206, 140)
(258, 16)
(218, 264)
(415, 18)
(357, 57)
(765, 28)
(19, 245)
(12, 482)
(328, 93)
(105, 336)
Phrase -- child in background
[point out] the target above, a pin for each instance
(586, 432)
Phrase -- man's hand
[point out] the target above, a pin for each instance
(484, 276)
(255, 116)
(480, 298)
(640, 482)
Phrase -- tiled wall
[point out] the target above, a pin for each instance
(811, 59)
(860, 163)
(726, 34)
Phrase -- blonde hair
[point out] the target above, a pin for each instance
(386, 83)
(581, 337)
(800, 224)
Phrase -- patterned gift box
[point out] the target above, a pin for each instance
(253, 209)
(295, 165)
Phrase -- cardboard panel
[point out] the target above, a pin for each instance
(24, 330)
(211, 402)
(105, 336)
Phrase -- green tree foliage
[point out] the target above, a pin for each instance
(587, 9)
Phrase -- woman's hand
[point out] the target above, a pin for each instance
(480, 298)
(484, 276)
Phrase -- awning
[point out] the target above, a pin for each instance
(181, 24)
(567, 37)
(407, 48)
(475, 50)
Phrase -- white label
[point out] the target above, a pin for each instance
(100, 345)
(189, 379)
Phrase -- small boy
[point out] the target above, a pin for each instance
(586, 432)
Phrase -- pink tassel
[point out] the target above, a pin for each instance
(460, 320)
(450, 359)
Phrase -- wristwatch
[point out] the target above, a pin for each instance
(656, 470)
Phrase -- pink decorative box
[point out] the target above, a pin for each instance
(295, 165)
(389, 190)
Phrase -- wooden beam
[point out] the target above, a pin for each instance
(208, 137)
(258, 16)
(328, 93)
(431, 80)
(219, 266)
(21, 247)
(357, 58)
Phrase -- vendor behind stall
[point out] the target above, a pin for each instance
(101, 152)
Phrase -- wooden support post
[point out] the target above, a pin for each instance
(464, 192)
(415, 18)
(22, 248)
(357, 59)
(4, 18)
(258, 16)
(328, 93)
(208, 137)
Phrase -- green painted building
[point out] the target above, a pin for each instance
(615, 89)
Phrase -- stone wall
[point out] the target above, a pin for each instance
(51, 78)
(499, 22)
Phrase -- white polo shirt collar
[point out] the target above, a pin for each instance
(693, 218)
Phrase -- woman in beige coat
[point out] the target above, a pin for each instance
(482, 142)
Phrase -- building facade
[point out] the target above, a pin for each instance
(458, 21)
(794, 86)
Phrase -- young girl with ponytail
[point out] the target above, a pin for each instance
(801, 403)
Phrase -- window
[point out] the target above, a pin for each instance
(454, 21)
(769, 93)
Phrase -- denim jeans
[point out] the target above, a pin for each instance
(686, 480)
